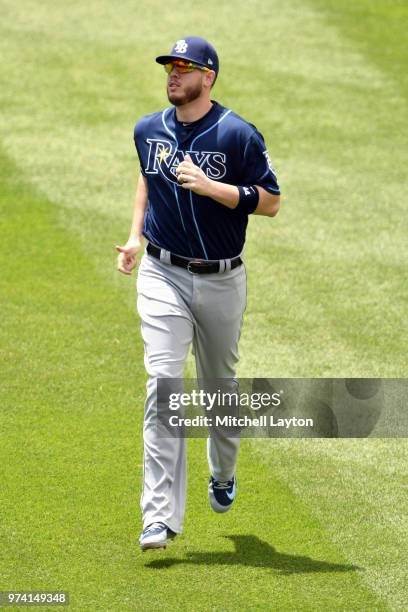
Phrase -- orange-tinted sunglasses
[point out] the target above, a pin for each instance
(182, 66)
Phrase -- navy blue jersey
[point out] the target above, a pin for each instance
(228, 149)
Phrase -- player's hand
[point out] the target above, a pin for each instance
(192, 177)
(127, 255)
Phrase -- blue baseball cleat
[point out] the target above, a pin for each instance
(222, 493)
(156, 536)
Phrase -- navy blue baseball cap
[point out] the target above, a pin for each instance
(193, 49)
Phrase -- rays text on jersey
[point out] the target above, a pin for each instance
(164, 158)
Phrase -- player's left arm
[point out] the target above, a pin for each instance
(192, 177)
(268, 204)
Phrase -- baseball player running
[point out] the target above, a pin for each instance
(204, 169)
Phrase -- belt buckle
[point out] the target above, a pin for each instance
(194, 263)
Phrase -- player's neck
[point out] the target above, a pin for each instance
(193, 111)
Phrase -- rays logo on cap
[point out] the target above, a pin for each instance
(180, 46)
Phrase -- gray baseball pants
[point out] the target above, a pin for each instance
(178, 309)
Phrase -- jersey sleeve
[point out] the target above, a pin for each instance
(257, 165)
(137, 137)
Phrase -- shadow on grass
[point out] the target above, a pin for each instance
(251, 551)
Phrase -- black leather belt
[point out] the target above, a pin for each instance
(195, 266)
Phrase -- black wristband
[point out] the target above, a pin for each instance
(248, 199)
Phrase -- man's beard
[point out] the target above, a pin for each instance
(189, 95)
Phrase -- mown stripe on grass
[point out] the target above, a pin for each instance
(357, 490)
(327, 275)
(71, 404)
(384, 23)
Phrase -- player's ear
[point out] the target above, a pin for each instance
(210, 77)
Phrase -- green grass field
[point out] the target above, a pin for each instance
(319, 524)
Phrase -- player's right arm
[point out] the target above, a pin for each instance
(128, 252)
